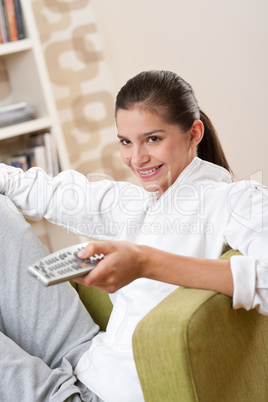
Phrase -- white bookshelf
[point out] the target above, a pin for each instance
(29, 82)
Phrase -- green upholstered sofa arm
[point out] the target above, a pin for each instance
(194, 347)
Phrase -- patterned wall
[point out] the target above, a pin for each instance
(80, 83)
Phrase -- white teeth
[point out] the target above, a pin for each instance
(148, 171)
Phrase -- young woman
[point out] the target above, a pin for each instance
(168, 232)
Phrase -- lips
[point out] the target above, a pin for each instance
(148, 172)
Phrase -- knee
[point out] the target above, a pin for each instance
(16, 232)
(8, 210)
(11, 220)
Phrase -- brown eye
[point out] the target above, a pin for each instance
(123, 141)
(153, 138)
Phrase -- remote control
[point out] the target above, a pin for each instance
(63, 265)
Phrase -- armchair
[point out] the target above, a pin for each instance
(194, 347)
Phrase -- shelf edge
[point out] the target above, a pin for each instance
(25, 127)
(15, 47)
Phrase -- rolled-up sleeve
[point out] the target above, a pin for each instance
(247, 232)
(244, 276)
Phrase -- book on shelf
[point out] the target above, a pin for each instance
(13, 106)
(52, 158)
(16, 113)
(19, 19)
(3, 19)
(40, 150)
(19, 161)
(11, 20)
(1, 36)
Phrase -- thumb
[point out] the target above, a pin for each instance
(94, 247)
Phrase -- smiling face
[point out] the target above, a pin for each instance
(156, 151)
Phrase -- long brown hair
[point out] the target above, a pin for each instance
(170, 96)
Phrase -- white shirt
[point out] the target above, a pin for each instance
(197, 216)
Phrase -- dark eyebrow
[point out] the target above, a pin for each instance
(145, 134)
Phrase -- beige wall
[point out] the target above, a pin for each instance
(220, 47)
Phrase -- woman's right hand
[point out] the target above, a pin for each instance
(123, 262)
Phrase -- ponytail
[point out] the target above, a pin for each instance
(210, 148)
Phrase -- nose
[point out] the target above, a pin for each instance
(139, 156)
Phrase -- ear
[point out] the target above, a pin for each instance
(196, 133)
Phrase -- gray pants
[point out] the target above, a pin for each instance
(43, 331)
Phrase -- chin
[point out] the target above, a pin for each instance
(152, 187)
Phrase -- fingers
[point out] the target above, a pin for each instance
(119, 266)
(94, 247)
(99, 277)
(90, 278)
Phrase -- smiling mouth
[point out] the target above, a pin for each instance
(149, 171)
